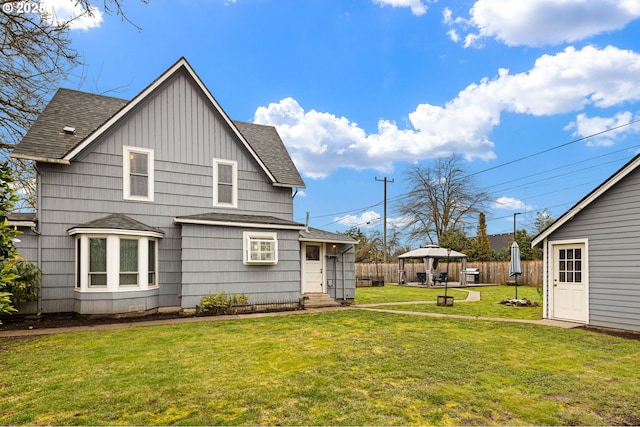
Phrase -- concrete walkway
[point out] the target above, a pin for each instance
(471, 296)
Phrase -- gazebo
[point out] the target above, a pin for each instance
(430, 255)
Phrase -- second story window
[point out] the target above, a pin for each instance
(138, 173)
(225, 183)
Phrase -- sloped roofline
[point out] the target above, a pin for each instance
(587, 200)
(182, 63)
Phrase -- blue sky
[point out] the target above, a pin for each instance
(361, 89)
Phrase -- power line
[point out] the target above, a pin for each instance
(357, 210)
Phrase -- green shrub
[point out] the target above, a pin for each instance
(222, 303)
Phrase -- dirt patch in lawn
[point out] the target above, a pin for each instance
(65, 320)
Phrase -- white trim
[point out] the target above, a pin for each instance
(40, 159)
(21, 223)
(234, 183)
(323, 266)
(180, 64)
(108, 231)
(586, 201)
(237, 224)
(248, 237)
(113, 263)
(126, 173)
(551, 273)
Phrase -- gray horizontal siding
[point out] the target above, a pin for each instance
(111, 303)
(612, 225)
(212, 262)
(185, 134)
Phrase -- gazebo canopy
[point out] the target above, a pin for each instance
(432, 251)
(430, 255)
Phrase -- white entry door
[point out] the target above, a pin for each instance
(570, 296)
(312, 278)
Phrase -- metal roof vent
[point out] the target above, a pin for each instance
(69, 130)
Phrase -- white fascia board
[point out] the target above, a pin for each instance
(40, 159)
(309, 239)
(237, 224)
(614, 179)
(115, 231)
(22, 223)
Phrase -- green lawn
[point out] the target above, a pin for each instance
(345, 367)
(488, 306)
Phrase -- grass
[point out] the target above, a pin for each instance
(488, 306)
(346, 367)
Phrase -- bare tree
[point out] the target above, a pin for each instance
(443, 197)
(35, 57)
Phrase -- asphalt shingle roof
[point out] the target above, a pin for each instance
(317, 235)
(86, 112)
(239, 218)
(83, 111)
(117, 222)
(268, 146)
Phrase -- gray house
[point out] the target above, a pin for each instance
(153, 203)
(592, 256)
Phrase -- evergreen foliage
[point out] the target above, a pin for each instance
(19, 279)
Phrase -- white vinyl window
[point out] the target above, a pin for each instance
(137, 173)
(97, 263)
(260, 248)
(129, 262)
(225, 183)
(116, 262)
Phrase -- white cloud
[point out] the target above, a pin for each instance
(367, 219)
(417, 7)
(586, 126)
(545, 22)
(510, 203)
(65, 11)
(569, 81)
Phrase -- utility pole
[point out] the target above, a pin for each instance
(384, 250)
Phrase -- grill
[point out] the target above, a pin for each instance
(472, 275)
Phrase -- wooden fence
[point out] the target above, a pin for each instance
(490, 272)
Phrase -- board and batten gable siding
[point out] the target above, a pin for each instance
(611, 223)
(212, 262)
(186, 134)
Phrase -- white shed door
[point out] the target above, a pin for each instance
(312, 268)
(570, 283)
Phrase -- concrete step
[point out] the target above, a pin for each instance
(317, 300)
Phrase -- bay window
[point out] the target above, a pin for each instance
(114, 262)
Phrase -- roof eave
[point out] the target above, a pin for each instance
(237, 224)
(587, 200)
(282, 184)
(40, 159)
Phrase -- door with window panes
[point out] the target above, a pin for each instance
(570, 283)
(312, 268)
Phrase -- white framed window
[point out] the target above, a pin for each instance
(225, 183)
(260, 248)
(152, 264)
(97, 262)
(112, 263)
(137, 165)
(129, 262)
